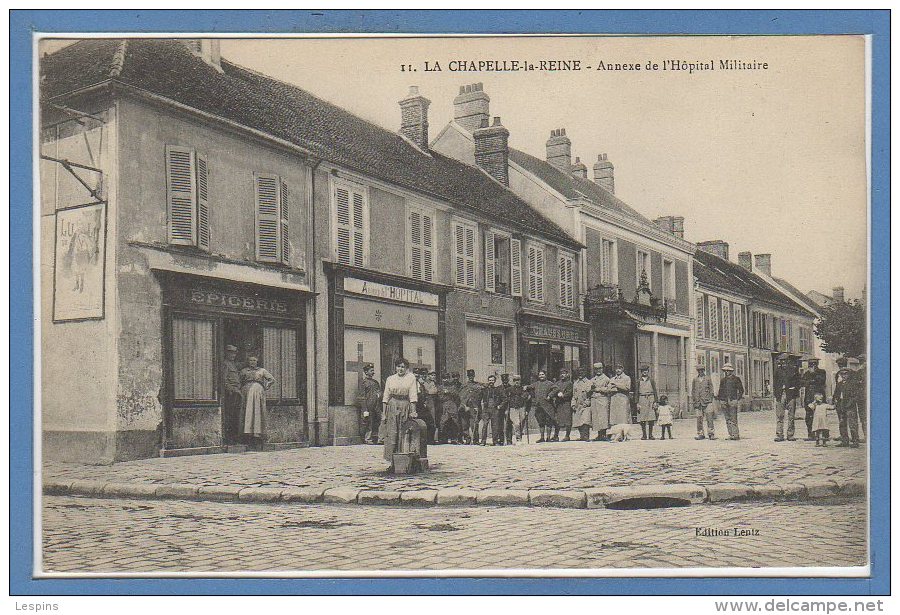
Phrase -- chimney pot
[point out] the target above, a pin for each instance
(492, 149)
(497, 121)
(471, 106)
(414, 117)
(559, 150)
(604, 173)
(763, 263)
(716, 247)
(745, 260)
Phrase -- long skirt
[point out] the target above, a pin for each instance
(600, 412)
(645, 408)
(254, 409)
(619, 409)
(394, 416)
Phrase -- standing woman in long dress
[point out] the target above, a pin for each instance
(620, 403)
(255, 381)
(400, 397)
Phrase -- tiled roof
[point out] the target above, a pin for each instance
(573, 187)
(799, 294)
(167, 68)
(713, 271)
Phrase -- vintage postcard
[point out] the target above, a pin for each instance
(453, 305)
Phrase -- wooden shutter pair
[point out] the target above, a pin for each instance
(187, 197)
(536, 273)
(566, 280)
(272, 205)
(464, 255)
(490, 264)
(421, 245)
(351, 226)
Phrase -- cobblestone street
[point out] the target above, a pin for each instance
(107, 535)
(755, 459)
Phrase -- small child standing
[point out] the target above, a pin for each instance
(664, 417)
(820, 419)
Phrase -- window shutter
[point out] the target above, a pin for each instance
(181, 195)
(540, 274)
(699, 315)
(459, 263)
(490, 262)
(285, 236)
(428, 246)
(202, 203)
(606, 263)
(566, 286)
(713, 318)
(344, 227)
(470, 257)
(359, 237)
(726, 321)
(268, 219)
(515, 261)
(535, 273)
(415, 244)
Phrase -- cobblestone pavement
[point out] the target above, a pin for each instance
(755, 459)
(110, 535)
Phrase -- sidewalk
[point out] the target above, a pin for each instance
(755, 467)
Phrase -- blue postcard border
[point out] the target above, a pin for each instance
(24, 23)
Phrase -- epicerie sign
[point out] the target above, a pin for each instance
(395, 293)
(238, 302)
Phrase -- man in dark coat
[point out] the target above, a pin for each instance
(470, 406)
(813, 381)
(448, 400)
(508, 430)
(563, 403)
(371, 400)
(493, 406)
(787, 389)
(731, 391)
(846, 402)
(862, 379)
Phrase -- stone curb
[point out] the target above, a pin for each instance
(597, 497)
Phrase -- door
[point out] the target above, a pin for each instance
(361, 346)
(391, 350)
(487, 351)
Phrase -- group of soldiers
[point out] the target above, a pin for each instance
(468, 412)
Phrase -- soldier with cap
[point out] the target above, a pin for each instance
(581, 405)
(846, 402)
(544, 392)
(647, 402)
(448, 402)
(231, 403)
(371, 400)
(506, 436)
(620, 402)
(731, 391)
(813, 381)
(493, 403)
(470, 406)
(787, 389)
(517, 403)
(702, 395)
(563, 403)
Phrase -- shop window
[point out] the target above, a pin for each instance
(566, 280)
(193, 359)
(421, 244)
(464, 254)
(536, 273)
(280, 358)
(352, 232)
(272, 240)
(187, 197)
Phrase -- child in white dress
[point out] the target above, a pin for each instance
(664, 415)
(820, 419)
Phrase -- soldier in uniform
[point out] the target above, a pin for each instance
(232, 400)
(507, 434)
(371, 399)
(517, 409)
(470, 405)
(563, 403)
(448, 401)
(620, 401)
(813, 381)
(581, 405)
(731, 391)
(544, 391)
(787, 389)
(702, 394)
(493, 406)
(846, 401)
(862, 393)
(647, 401)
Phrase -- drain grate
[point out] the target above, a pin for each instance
(648, 502)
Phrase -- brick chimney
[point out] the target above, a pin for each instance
(603, 173)
(837, 294)
(472, 107)
(207, 49)
(678, 226)
(492, 150)
(579, 169)
(745, 260)
(666, 223)
(764, 263)
(559, 150)
(717, 247)
(414, 117)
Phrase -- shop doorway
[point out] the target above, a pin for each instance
(246, 336)
(391, 350)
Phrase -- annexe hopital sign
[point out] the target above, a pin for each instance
(394, 293)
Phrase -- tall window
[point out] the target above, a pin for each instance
(643, 266)
(739, 368)
(502, 263)
(805, 342)
(783, 337)
(272, 240)
(714, 318)
(608, 263)
(738, 323)
(193, 359)
(279, 357)
(701, 320)
(420, 256)
(668, 281)
(566, 280)
(352, 214)
(464, 254)
(187, 197)
(536, 273)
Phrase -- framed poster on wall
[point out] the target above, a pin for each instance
(79, 257)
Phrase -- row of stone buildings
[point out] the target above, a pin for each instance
(188, 203)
